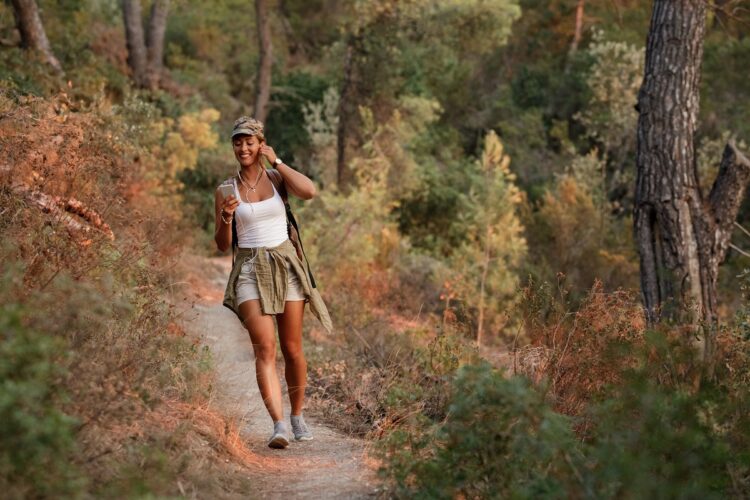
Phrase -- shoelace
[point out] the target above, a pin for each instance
(299, 427)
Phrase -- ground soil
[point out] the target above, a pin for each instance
(332, 465)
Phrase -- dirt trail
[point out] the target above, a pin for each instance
(331, 466)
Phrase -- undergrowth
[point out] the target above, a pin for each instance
(101, 392)
(593, 404)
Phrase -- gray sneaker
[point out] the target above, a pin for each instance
(299, 427)
(279, 439)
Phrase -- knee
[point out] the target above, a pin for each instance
(293, 353)
(265, 352)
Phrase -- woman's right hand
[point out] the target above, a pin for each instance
(229, 205)
(224, 208)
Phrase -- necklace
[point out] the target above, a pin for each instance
(255, 185)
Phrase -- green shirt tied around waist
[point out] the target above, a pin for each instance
(273, 278)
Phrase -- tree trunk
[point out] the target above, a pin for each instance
(482, 283)
(681, 239)
(263, 84)
(157, 26)
(137, 55)
(578, 33)
(348, 112)
(32, 31)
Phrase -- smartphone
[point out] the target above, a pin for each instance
(226, 190)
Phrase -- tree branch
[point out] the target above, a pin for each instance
(727, 194)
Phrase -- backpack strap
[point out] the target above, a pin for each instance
(278, 181)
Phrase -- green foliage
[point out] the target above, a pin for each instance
(499, 440)
(429, 79)
(589, 234)
(530, 88)
(285, 125)
(721, 85)
(360, 223)
(609, 116)
(433, 217)
(649, 437)
(581, 237)
(485, 263)
(211, 50)
(657, 442)
(321, 126)
(357, 224)
(36, 439)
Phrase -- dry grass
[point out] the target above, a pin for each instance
(93, 267)
(581, 353)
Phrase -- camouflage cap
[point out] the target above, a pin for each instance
(247, 125)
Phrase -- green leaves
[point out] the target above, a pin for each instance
(499, 440)
(36, 439)
(645, 439)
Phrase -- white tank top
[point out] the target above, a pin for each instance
(260, 224)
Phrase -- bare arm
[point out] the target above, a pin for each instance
(296, 183)
(223, 231)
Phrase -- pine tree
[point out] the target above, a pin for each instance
(495, 244)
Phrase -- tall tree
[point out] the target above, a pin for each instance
(578, 33)
(395, 47)
(157, 26)
(131, 13)
(145, 56)
(348, 111)
(263, 82)
(495, 241)
(33, 36)
(682, 236)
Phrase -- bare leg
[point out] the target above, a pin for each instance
(295, 366)
(263, 336)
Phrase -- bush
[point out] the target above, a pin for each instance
(499, 440)
(37, 440)
(616, 411)
(647, 439)
(88, 330)
(381, 381)
(655, 441)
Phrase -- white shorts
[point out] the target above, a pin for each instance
(247, 286)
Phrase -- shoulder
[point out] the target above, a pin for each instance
(276, 178)
(274, 174)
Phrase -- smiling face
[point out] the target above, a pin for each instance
(246, 149)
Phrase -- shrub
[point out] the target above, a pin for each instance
(582, 352)
(380, 380)
(499, 440)
(648, 438)
(102, 393)
(656, 441)
(37, 439)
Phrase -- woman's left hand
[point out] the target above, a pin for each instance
(268, 152)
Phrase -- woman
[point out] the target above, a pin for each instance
(270, 276)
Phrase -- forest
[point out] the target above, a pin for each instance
(530, 230)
